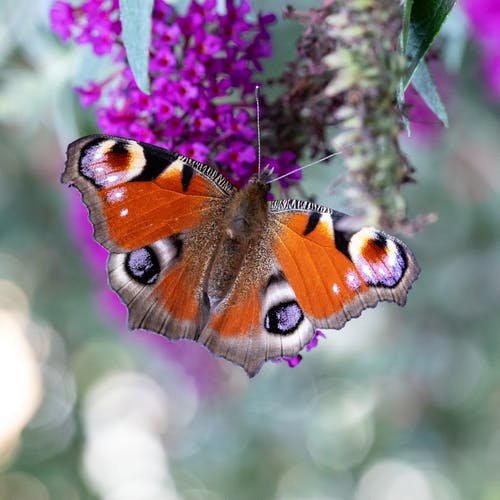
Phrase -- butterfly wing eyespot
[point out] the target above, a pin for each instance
(283, 318)
(336, 275)
(142, 266)
(255, 324)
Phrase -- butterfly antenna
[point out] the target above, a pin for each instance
(257, 107)
(304, 167)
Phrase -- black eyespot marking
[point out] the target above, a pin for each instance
(120, 147)
(187, 175)
(283, 318)
(143, 266)
(380, 240)
(312, 222)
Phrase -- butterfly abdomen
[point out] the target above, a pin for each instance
(242, 228)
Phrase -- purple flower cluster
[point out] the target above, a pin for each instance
(93, 22)
(201, 71)
(484, 18)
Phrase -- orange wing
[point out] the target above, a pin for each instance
(259, 319)
(138, 193)
(335, 275)
(156, 212)
(303, 274)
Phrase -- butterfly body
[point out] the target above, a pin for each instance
(242, 227)
(193, 257)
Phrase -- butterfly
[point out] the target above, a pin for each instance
(193, 257)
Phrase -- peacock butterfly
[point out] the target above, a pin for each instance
(192, 257)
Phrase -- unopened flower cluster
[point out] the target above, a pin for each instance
(367, 69)
(202, 69)
(346, 80)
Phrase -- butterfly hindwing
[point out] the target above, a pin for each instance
(260, 318)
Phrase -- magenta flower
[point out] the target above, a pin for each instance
(89, 94)
(292, 362)
(62, 19)
(202, 70)
(424, 124)
(164, 61)
(484, 19)
(283, 165)
(492, 70)
(195, 150)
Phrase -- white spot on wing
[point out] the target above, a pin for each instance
(115, 195)
(352, 280)
(111, 179)
(123, 212)
(392, 254)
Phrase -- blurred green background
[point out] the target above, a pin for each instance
(403, 403)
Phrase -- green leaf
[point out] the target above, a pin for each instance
(424, 84)
(135, 16)
(406, 21)
(426, 19)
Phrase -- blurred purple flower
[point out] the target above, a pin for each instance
(89, 94)
(292, 362)
(484, 19)
(492, 67)
(314, 341)
(283, 165)
(62, 19)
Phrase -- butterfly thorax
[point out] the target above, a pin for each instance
(244, 221)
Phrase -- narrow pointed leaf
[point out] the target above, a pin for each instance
(424, 84)
(135, 16)
(406, 21)
(426, 19)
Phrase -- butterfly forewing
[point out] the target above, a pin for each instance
(138, 193)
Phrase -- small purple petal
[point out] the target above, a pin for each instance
(292, 362)
(314, 341)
